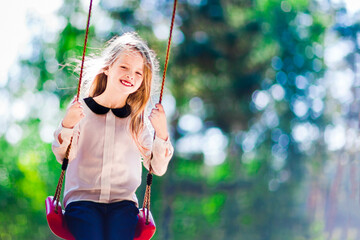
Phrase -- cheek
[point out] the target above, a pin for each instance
(117, 72)
(138, 84)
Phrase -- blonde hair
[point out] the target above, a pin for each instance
(95, 80)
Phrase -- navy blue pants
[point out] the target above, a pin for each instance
(90, 220)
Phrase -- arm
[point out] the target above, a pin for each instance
(162, 154)
(67, 129)
(162, 148)
(61, 141)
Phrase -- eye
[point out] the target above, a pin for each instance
(123, 67)
(139, 74)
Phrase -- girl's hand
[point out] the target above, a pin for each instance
(158, 121)
(73, 114)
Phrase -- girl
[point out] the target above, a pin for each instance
(109, 139)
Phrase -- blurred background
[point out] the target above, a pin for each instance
(262, 97)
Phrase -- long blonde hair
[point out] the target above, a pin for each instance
(95, 79)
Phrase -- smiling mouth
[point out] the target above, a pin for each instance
(126, 83)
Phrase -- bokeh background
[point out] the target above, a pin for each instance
(262, 97)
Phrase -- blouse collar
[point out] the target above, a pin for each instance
(99, 109)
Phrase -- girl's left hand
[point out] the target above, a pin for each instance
(158, 121)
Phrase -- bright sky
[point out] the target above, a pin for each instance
(14, 29)
(352, 6)
(15, 35)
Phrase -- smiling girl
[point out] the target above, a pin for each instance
(110, 140)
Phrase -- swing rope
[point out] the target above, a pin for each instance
(84, 51)
(147, 196)
(66, 158)
(168, 51)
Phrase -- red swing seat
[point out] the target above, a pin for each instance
(56, 219)
(144, 231)
(58, 226)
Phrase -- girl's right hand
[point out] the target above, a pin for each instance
(73, 115)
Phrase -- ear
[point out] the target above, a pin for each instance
(106, 71)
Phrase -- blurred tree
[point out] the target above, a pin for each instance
(340, 174)
(273, 46)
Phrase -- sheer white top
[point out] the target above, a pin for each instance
(104, 161)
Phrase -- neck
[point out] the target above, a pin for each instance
(111, 100)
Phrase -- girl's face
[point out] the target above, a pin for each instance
(125, 75)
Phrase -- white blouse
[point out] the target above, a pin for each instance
(104, 161)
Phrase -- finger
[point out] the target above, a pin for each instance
(158, 110)
(155, 114)
(154, 110)
(75, 99)
(74, 104)
(160, 107)
(75, 109)
(77, 105)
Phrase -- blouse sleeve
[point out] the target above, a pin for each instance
(59, 148)
(162, 153)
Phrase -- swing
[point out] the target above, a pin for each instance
(145, 227)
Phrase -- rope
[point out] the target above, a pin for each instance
(168, 51)
(84, 51)
(56, 198)
(58, 191)
(146, 203)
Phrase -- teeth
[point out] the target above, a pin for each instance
(126, 83)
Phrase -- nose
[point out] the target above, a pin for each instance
(128, 76)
